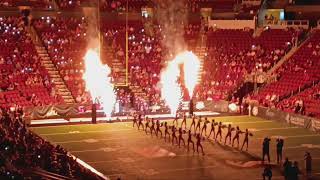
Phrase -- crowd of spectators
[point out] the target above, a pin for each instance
(47, 4)
(21, 149)
(305, 102)
(299, 72)
(65, 39)
(21, 69)
(232, 54)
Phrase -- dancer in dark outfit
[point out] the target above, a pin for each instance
(147, 125)
(152, 128)
(193, 123)
(140, 122)
(158, 128)
(204, 127)
(228, 136)
(166, 131)
(134, 121)
(174, 137)
(184, 121)
(219, 133)
(176, 120)
(190, 140)
(236, 136)
(181, 138)
(246, 140)
(198, 125)
(213, 124)
(199, 144)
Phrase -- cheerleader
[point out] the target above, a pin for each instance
(246, 139)
(140, 122)
(158, 128)
(193, 123)
(213, 124)
(152, 128)
(198, 125)
(219, 133)
(228, 136)
(134, 121)
(199, 144)
(175, 120)
(181, 138)
(174, 137)
(184, 121)
(236, 136)
(204, 127)
(147, 125)
(190, 140)
(166, 131)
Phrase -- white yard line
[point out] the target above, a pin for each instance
(85, 132)
(294, 136)
(270, 129)
(247, 122)
(83, 140)
(186, 169)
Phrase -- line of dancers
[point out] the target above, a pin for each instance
(170, 132)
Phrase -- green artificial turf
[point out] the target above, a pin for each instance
(119, 150)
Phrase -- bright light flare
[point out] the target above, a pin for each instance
(170, 88)
(191, 66)
(98, 82)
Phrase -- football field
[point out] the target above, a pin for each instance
(119, 150)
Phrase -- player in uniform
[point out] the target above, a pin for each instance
(190, 140)
(246, 139)
(174, 137)
(158, 128)
(236, 136)
(204, 127)
(228, 136)
(166, 131)
(181, 138)
(198, 125)
(199, 144)
(219, 133)
(213, 124)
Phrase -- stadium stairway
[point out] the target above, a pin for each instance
(59, 84)
(201, 52)
(118, 67)
(287, 56)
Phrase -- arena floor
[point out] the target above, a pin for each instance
(119, 150)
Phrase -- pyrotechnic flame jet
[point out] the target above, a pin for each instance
(98, 81)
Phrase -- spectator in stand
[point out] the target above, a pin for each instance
(23, 149)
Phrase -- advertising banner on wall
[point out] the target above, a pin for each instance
(75, 110)
(290, 118)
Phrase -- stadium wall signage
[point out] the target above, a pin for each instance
(290, 118)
